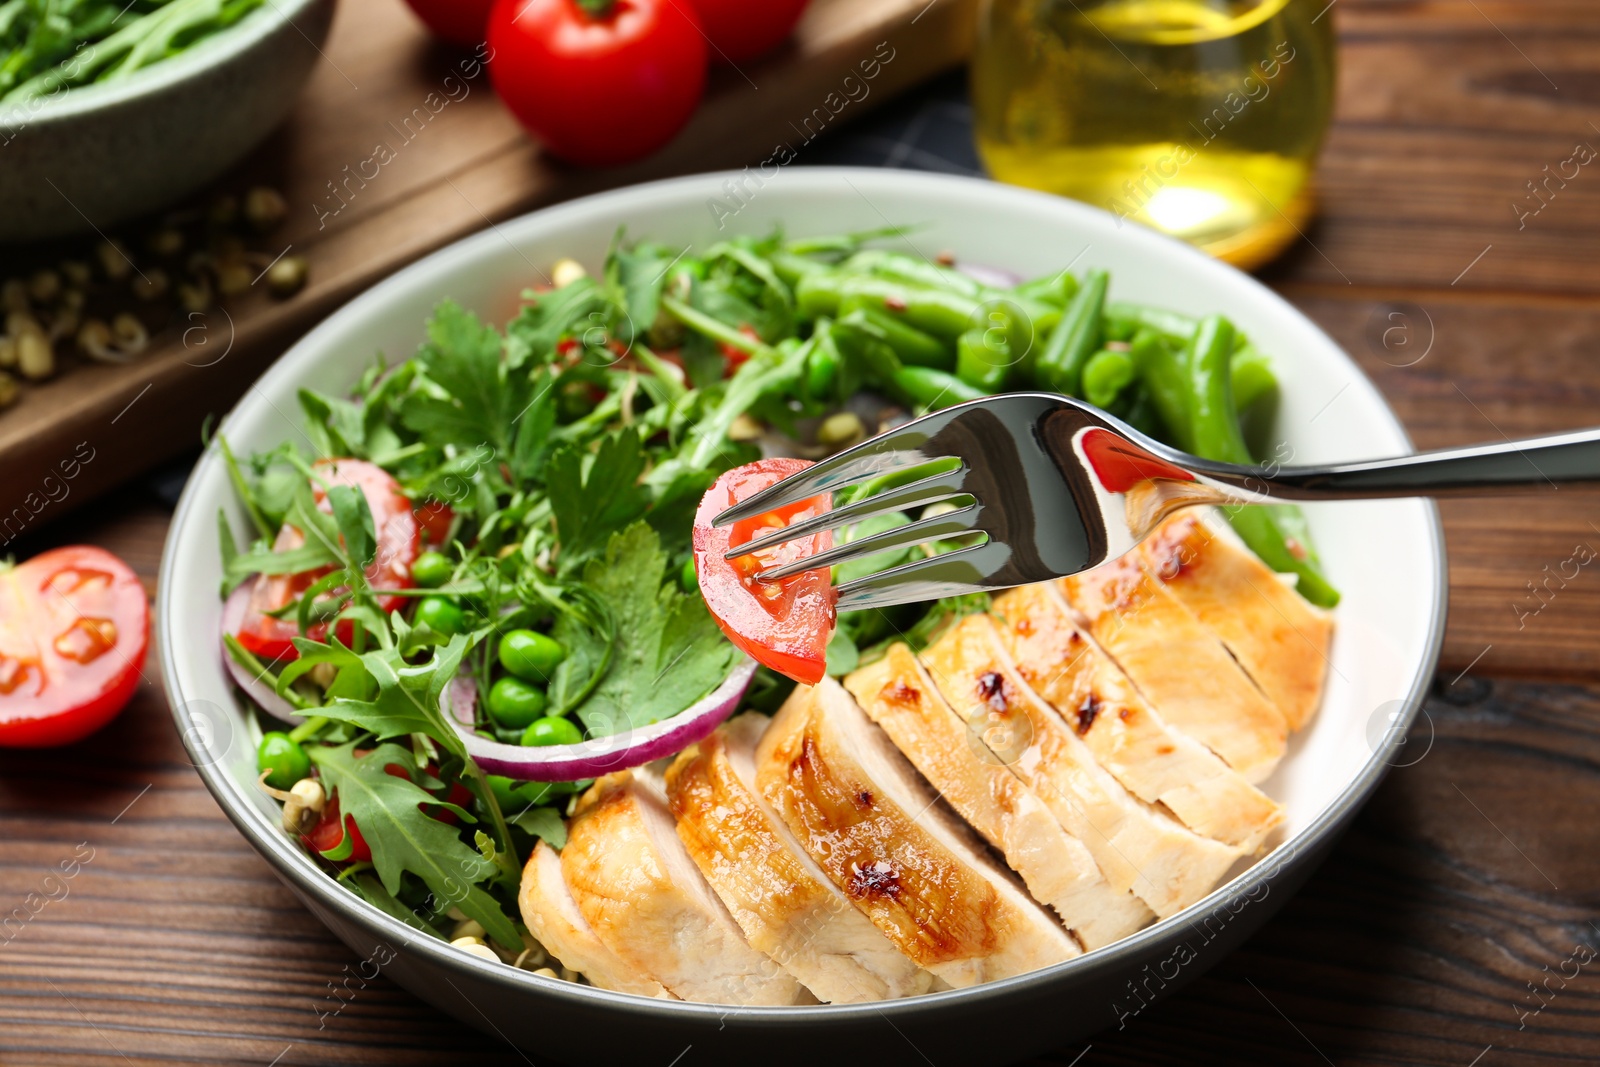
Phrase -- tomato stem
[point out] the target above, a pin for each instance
(597, 9)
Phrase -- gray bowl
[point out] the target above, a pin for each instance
(94, 156)
(1386, 556)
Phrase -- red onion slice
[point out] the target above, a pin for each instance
(260, 690)
(996, 277)
(601, 755)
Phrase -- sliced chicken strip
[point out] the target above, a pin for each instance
(1178, 664)
(1277, 637)
(898, 695)
(1125, 733)
(1138, 846)
(915, 869)
(645, 900)
(780, 898)
(553, 917)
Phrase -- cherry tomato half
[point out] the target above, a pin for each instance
(740, 30)
(598, 89)
(784, 624)
(74, 626)
(457, 21)
(398, 545)
(327, 836)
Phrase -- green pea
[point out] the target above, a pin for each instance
(515, 703)
(431, 570)
(688, 577)
(440, 614)
(282, 757)
(513, 796)
(551, 731)
(530, 655)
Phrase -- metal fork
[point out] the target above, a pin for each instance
(1050, 486)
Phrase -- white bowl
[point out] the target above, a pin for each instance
(1386, 557)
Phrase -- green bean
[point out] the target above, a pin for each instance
(942, 314)
(817, 294)
(1253, 380)
(1276, 533)
(1055, 289)
(1161, 371)
(1175, 326)
(915, 271)
(912, 345)
(824, 365)
(1075, 338)
(1106, 375)
(791, 268)
(983, 359)
(1255, 394)
(929, 389)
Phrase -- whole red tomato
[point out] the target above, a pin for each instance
(741, 30)
(457, 21)
(598, 83)
(74, 625)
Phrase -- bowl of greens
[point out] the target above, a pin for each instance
(431, 577)
(110, 110)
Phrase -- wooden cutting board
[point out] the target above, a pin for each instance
(398, 146)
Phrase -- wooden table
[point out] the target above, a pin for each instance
(1452, 926)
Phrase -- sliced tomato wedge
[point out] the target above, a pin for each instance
(74, 627)
(399, 544)
(784, 624)
(328, 838)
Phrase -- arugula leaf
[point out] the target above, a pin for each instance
(354, 516)
(336, 426)
(635, 277)
(547, 317)
(594, 495)
(375, 894)
(542, 822)
(402, 838)
(669, 652)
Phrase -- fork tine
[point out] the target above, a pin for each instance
(922, 491)
(962, 520)
(883, 454)
(965, 570)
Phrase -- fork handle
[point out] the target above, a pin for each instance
(1475, 470)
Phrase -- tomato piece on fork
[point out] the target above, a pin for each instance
(784, 624)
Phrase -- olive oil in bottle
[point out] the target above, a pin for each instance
(1201, 118)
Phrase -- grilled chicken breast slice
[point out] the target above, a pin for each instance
(1279, 639)
(1139, 847)
(645, 900)
(780, 898)
(1125, 733)
(554, 919)
(910, 865)
(1178, 664)
(898, 695)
